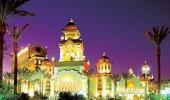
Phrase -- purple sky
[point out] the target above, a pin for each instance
(114, 26)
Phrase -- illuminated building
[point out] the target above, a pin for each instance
(70, 73)
(101, 85)
(31, 59)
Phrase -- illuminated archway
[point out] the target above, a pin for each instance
(68, 81)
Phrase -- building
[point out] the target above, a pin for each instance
(30, 57)
(71, 72)
(32, 61)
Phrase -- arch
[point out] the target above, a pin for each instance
(68, 80)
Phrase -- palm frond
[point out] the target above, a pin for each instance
(19, 3)
(25, 26)
(10, 7)
(23, 13)
(15, 32)
(162, 29)
(116, 77)
(158, 35)
(155, 29)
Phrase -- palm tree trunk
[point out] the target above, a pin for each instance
(159, 68)
(126, 84)
(15, 66)
(1, 57)
(115, 89)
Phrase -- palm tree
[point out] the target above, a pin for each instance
(15, 34)
(7, 77)
(115, 78)
(28, 77)
(157, 36)
(126, 77)
(40, 75)
(23, 76)
(8, 8)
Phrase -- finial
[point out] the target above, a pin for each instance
(71, 20)
(29, 44)
(104, 54)
(145, 62)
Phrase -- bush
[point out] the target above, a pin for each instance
(24, 96)
(69, 96)
(6, 92)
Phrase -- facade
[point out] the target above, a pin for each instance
(30, 57)
(71, 72)
(33, 65)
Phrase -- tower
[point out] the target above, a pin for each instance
(70, 70)
(104, 81)
(71, 46)
(146, 75)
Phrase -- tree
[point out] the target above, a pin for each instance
(115, 78)
(22, 75)
(39, 75)
(8, 8)
(157, 36)
(126, 77)
(15, 34)
(7, 77)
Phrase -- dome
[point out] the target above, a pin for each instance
(145, 68)
(104, 64)
(104, 60)
(71, 25)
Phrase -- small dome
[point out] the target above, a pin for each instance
(104, 64)
(104, 60)
(145, 68)
(71, 25)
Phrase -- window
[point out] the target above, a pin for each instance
(39, 62)
(69, 46)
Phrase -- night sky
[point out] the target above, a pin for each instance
(114, 26)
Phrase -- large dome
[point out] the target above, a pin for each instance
(71, 25)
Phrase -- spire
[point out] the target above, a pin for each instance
(71, 20)
(104, 54)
